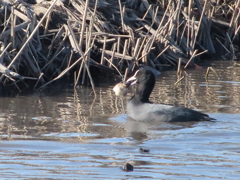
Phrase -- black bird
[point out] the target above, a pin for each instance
(140, 108)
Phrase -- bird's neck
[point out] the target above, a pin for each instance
(142, 94)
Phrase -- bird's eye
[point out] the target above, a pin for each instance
(139, 73)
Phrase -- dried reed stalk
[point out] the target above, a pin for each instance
(123, 35)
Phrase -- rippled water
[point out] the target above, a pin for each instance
(72, 136)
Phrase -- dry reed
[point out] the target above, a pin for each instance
(114, 36)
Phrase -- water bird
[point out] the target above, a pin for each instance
(140, 108)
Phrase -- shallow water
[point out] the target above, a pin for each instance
(72, 136)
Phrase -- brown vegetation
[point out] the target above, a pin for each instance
(44, 41)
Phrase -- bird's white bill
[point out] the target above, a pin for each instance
(133, 80)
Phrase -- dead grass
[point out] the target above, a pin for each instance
(49, 40)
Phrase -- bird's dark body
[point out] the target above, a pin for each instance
(141, 109)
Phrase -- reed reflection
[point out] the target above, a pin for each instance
(74, 115)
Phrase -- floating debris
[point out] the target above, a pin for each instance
(127, 167)
(144, 150)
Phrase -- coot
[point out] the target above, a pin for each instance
(141, 109)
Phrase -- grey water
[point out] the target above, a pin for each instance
(72, 135)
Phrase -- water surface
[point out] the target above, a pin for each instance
(71, 135)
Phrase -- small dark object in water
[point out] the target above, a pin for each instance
(144, 150)
(127, 167)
